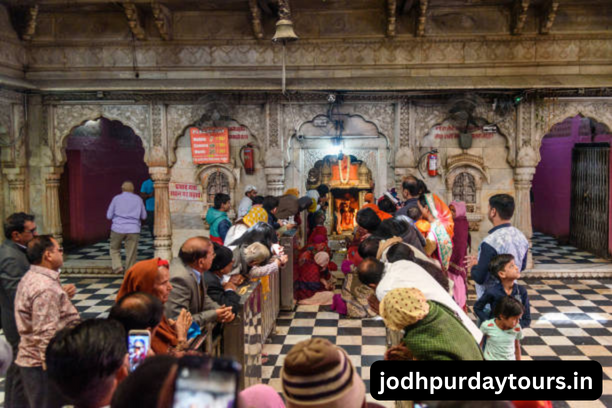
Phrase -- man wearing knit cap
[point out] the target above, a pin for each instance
(246, 202)
(318, 374)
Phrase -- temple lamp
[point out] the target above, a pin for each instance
(284, 31)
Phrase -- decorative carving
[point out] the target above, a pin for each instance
(17, 198)
(519, 15)
(256, 19)
(422, 18)
(163, 20)
(133, 18)
(273, 124)
(30, 28)
(275, 180)
(404, 136)
(506, 126)
(67, 117)
(427, 116)
(156, 124)
(549, 12)
(391, 15)
(464, 189)
(551, 112)
(381, 115)
(209, 174)
(368, 156)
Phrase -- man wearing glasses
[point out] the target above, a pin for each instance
(19, 229)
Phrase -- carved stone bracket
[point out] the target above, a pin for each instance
(133, 18)
(163, 20)
(32, 19)
(163, 225)
(275, 180)
(549, 12)
(256, 19)
(519, 15)
(391, 17)
(422, 18)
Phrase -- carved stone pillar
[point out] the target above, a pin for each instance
(53, 219)
(275, 178)
(522, 213)
(163, 225)
(17, 193)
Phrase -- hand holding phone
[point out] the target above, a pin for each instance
(139, 342)
(204, 382)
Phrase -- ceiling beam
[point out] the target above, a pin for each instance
(30, 28)
(132, 15)
(519, 15)
(422, 18)
(256, 19)
(163, 20)
(391, 17)
(549, 12)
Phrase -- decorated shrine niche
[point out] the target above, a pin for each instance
(348, 179)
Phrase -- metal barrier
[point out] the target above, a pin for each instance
(290, 243)
(242, 338)
(270, 305)
(393, 339)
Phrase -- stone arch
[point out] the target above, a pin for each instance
(203, 175)
(206, 114)
(600, 111)
(66, 118)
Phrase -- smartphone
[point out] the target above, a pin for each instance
(139, 342)
(206, 382)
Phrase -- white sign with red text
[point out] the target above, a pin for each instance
(184, 191)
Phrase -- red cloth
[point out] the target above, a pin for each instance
(456, 267)
(309, 280)
(218, 240)
(319, 231)
(532, 404)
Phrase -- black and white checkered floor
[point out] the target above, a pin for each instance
(546, 250)
(572, 320)
(101, 251)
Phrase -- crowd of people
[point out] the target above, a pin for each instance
(406, 262)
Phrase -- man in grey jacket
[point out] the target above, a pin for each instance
(19, 229)
(188, 287)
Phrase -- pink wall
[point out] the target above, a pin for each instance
(552, 180)
(98, 162)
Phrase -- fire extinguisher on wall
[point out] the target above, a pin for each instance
(432, 163)
(247, 156)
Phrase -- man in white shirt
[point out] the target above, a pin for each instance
(246, 202)
(406, 274)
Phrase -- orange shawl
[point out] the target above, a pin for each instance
(141, 278)
(381, 214)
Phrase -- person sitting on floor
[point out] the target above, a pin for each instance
(431, 330)
(313, 277)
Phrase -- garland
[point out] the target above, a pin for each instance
(348, 170)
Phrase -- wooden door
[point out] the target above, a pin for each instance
(590, 198)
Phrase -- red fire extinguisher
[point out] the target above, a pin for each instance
(432, 163)
(247, 156)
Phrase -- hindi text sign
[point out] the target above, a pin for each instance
(209, 145)
(184, 191)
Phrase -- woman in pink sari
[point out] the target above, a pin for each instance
(461, 241)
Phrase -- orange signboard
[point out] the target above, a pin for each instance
(209, 145)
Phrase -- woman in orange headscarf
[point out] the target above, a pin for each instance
(153, 277)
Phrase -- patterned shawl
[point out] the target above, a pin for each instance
(440, 234)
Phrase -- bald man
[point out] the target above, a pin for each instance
(188, 287)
